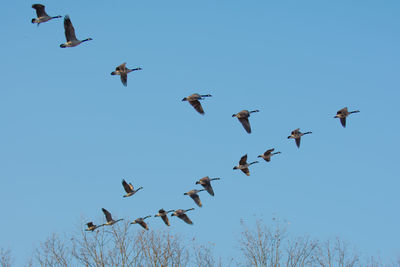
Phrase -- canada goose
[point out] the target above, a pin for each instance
(243, 165)
(163, 214)
(243, 117)
(129, 188)
(109, 219)
(123, 72)
(193, 194)
(41, 14)
(141, 222)
(206, 183)
(296, 135)
(181, 215)
(268, 154)
(70, 34)
(342, 114)
(91, 227)
(194, 101)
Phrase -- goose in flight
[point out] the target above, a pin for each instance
(193, 194)
(243, 117)
(296, 135)
(70, 34)
(163, 214)
(91, 227)
(194, 101)
(109, 219)
(141, 222)
(41, 14)
(181, 215)
(130, 191)
(123, 71)
(244, 166)
(206, 183)
(342, 115)
(268, 154)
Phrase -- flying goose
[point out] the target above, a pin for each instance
(70, 34)
(123, 72)
(130, 191)
(163, 214)
(193, 194)
(181, 215)
(268, 154)
(342, 114)
(141, 222)
(296, 135)
(194, 101)
(244, 166)
(41, 14)
(243, 117)
(91, 227)
(206, 183)
(109, 219)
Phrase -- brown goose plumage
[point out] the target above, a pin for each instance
(206, 183)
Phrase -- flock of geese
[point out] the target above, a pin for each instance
(194, 100)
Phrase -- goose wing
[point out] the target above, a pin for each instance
(243, 160)
(246, 171)
(246, 124)
(294, 132)
(143, 224)
(196, 199)
(128, 187)
(208, 187)
(40, 12)
(197, 106)
(297, 141)
(69, 29)
(343, 121)
(124, 79)
(185, 218)
(342, 111)
(121, 67)
(107, 214)
(165, 219)
(269, 151)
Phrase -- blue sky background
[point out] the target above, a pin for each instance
(70, 131)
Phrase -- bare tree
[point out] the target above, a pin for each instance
(5, 258)
(114, 246)
(336, 253)
(262, 246)
(54, 252)
(300, 252)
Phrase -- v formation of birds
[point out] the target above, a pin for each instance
(194, 100)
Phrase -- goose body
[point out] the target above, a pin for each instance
(123, 71)
(91, 227)
(343, 114)
(194, 101)
(244, 166)
(130, 191)
(163, 214)
(70, 34)
(206, 183)
(243, 117)
(268, 154)
(141, 222)
(193, 194)
(296, 135)
(109, 219)
(41, 14)
(181, 215)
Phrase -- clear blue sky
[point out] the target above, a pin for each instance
(70, 131)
